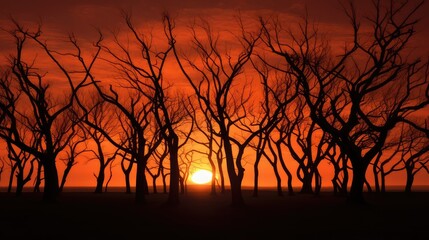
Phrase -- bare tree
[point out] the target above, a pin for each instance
(405, 151)
(417, 158)
(387, 160)
(210, 142)
(136, 136)
(144, 77)
(75, 147)
(110, 174)
(19, 160)
(127, 164)
(170, 115)
(186, 160)
(38, 178)
(43, 114)
(22, 167)
(279, 91)
(276, 149)
(360, 96)
(100, 115)
(156, 169)
(339, 161)
(308, 145)
(218, 75)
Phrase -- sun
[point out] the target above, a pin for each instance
(201, 176)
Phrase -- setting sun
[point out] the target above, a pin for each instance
(201, 176)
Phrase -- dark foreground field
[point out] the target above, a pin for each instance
(85, 215)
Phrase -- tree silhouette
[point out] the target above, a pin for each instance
(136, 137)
(186, 159)
(414, 156)
(145, 76)
(214, 92)
(18, 159)
(103, 116)
(155, 167)
(205, 136)
(339, 161)
(1, 167)
(360, 96)
(383, 163)
(279, 92)
(218, 73)
(19, 162)
(267, 94)
(45, 120)
(76, 146)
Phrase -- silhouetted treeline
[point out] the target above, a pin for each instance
(156, 103)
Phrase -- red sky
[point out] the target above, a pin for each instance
(82, 17)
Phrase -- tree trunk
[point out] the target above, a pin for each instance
(182, 186)
(318, 182)
(306, 181)
(345, 175)
(164, 183)
(140, 181)
(234, 179)
(173, 195)
(375, 171)
(213, 182)
(154, 188)
(127, 171)
(127, 182)
(213, 168)
(100, 180)
(256, 177)
(51, 188)
(65, 174)
(102, 167)
(284, 167)
(410, 179)
(12, 172)
(38, 177)
(19, 182)
(221, 176)
(236, 194)
(278, 180)
(141, 161)
(358, 180)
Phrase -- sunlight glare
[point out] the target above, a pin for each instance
(201, 176)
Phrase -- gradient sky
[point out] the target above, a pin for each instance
(82, 17)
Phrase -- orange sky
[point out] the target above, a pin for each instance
(82, 17)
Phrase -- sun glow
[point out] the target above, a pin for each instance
(202, 176)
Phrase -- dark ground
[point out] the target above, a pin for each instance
(115, 215)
